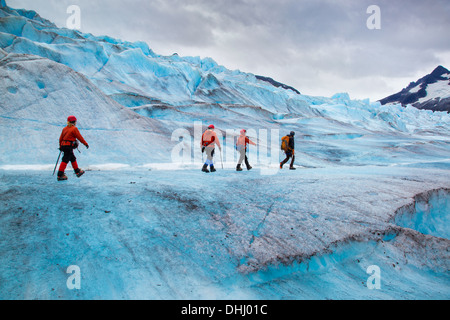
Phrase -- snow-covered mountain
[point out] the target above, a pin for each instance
(431, 92)
(372, 187)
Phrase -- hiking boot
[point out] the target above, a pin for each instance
(205, 168)
(212, 168)
(238, 167)
(79, 172)
(249, 167)
(292, 168)
(61, 176)
(281, 165)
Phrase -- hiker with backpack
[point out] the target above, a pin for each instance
(288, 146)
(207, 143)
(68, 141)
(241, 147)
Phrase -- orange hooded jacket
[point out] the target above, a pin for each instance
(69, 135)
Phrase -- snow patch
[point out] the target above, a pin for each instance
(440, 89)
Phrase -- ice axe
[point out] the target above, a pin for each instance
(54, 170)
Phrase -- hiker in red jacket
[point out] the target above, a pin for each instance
(208, 142)
(67, 143)
(241, 146)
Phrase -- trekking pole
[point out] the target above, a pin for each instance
(221, 158)
(54, 170)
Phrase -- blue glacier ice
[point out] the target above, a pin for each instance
(371, 189)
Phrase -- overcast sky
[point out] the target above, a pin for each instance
(320, 47)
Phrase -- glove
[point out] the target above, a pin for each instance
(87, 146)
(203, 149)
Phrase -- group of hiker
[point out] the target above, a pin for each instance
(70, 135)
(210, 140)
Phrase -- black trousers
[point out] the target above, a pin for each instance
(288, 156)
(68, 156)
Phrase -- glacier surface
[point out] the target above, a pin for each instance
(134, 234)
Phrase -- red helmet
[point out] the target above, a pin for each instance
(71, 119)
(211, 126)
(243, 131)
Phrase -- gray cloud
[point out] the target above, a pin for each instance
(318, 46)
